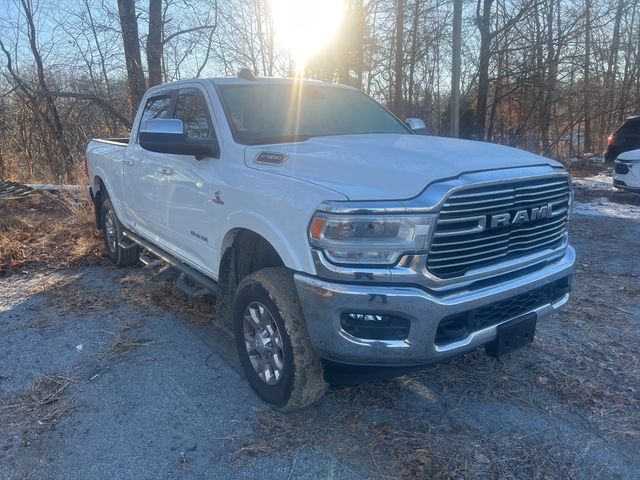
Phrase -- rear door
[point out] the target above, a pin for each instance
(188, 185)
(142, 171)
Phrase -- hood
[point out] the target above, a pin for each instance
(387, 166)
(630, 156)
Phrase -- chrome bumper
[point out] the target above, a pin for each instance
(324, 302)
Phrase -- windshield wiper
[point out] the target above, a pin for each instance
(280, 139)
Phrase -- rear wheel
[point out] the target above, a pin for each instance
(272, 341)
(112, 234)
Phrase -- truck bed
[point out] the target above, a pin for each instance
(121, 141)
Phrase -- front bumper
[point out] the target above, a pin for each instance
(626, 175)
(324, 303)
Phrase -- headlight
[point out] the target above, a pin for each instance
(369, 239)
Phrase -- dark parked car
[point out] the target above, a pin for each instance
(626, 137)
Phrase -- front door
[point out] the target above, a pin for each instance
(187, 186)
(142, 172)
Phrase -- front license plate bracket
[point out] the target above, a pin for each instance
(513, 335)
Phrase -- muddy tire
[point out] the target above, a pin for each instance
(112, 235)
(272, 341)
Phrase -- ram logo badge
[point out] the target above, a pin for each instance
(523, 216)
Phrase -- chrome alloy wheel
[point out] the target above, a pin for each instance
(110, 231)
(263, 343)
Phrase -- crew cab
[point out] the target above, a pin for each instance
(330, 231)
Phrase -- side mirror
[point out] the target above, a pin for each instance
(166, 135)
(417, 125)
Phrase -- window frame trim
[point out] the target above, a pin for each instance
(166, 93)
(212, 130)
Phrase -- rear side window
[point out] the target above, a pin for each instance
(630, 127)
(156, 107)
(191, 108)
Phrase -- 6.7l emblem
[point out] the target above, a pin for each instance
(526, 215)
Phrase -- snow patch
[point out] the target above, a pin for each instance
(595, 182)
(604, 208)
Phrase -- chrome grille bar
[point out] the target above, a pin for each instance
(459, 245)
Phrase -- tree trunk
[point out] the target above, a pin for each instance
(553, 59)
(135, 74)
(413, 56)
(3, 171)
(399, 60)
(154, 43)
(612, 71)
(360, 31)
(483, 20)
(454, 121)
(586, 99)
(61, 165)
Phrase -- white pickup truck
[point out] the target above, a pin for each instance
(330, 231)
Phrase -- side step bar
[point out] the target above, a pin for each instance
(188, 271)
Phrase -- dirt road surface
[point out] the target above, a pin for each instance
(111, 373)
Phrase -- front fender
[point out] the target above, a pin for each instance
(292, 246)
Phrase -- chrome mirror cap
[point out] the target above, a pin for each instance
(171, 126)
(417, 125)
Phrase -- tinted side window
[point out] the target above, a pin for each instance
(630, 127)
(191, 108)
(156, 107)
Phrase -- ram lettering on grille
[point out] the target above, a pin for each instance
(482, 226)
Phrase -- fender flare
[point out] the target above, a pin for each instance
(262, 226)
(101, 176)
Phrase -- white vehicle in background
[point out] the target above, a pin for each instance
(329, 231)
(626, 174)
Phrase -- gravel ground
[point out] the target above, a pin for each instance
(111, 373)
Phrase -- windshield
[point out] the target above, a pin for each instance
(263, 114)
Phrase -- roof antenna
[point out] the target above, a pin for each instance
(246, 73)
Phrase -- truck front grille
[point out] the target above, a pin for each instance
(464, 238)
(621, 168)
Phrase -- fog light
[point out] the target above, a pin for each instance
(372, 326)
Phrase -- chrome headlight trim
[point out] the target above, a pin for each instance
(366, 239)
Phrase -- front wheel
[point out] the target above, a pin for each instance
(272, 341)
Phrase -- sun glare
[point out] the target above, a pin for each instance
(305, 26)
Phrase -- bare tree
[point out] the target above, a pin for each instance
(131, 41)
(154, 43)
(398, 100)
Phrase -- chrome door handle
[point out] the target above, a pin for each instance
(165, 171)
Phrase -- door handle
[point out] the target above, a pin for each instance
(165, 171)
(128, 162)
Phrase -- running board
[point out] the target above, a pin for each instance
(127, 245)
(190, 290)
(148, 261)
(205, 282)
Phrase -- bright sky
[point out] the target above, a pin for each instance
(305, 26)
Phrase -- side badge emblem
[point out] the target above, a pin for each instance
(270, 158)
(217, 200)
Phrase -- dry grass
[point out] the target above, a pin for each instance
(53, 230)
(389, 452)
(124, 344)
(46, 402)
(141, 293)
(68, 295)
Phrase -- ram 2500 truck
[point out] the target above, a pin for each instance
(330, 231)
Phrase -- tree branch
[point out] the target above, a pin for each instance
(100, 102)
(188, 30)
